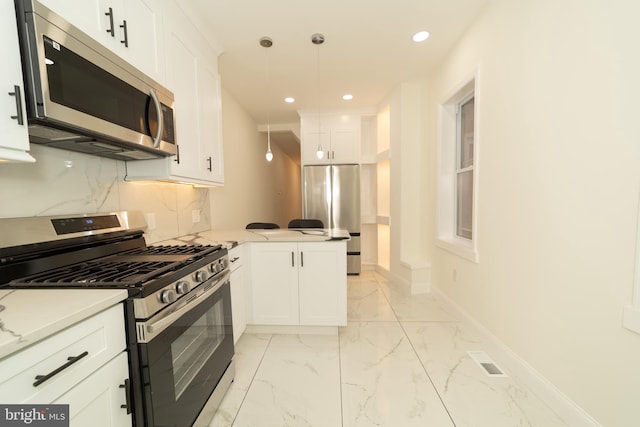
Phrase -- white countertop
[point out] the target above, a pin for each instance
(29, 315)
(272, 235)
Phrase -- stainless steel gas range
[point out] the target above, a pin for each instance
(178, 314)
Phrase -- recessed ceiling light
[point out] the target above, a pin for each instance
(347, 97)
(289, 100)
(420, 36)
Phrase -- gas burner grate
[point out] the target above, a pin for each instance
(174, 250)
(127, 269)
(99, 273)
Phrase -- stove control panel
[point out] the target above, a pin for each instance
(85, 223)
(201, 272)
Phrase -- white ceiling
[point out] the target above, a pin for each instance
(368, 49)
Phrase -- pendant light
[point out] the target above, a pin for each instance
(318, 39)
(266, 42)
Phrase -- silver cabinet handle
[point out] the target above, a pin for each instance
(210, 167)
(126, 38)
(154, 97)
(292, 259)
(19, 117)
(111, 29)
(301, 259)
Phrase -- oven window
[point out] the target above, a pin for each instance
(194, 347)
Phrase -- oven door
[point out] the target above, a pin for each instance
(186, 354)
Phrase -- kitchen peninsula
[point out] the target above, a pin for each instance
(284, 280)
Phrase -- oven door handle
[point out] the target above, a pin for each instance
(153, 327)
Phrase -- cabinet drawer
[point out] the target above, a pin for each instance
(235, 257)
(100, 400)
(62, 356)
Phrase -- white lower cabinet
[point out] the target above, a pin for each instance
(301, 284)
(82, 366)
(238, 294)
(100, 400)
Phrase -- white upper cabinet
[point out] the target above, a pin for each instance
(193, 78)
(13, 117)
(338, 135)
(210, 121)
(130, 28)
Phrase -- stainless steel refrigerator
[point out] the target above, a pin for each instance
(332, 194)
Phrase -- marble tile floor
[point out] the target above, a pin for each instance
(401, 361)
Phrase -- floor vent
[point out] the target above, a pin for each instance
(488, 366)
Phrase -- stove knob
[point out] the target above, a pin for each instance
(224, 263)
(168, 296)
(200, 276)
(183, 287)
(213, 267)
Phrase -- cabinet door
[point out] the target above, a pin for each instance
(182, 78)
(338, 135)
(88, 15)
(274, 283)
(97, 401)
(323, 283)
(15, 141)
(311, 140)
(105, 22)
(238, 306)
(143, 35)
(210, 121)
(344, 146)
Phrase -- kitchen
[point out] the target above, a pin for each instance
(557, 81)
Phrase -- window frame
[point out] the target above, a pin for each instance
(460, 168)
(448, 158)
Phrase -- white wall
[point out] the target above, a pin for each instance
(559, 178)
(255, 190)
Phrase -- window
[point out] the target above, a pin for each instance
(464, 168)
(457, 171)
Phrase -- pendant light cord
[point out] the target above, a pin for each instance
(318, 39)
(266, 42)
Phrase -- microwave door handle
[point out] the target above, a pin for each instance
(154, 97)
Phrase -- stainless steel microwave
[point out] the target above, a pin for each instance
(81, 96)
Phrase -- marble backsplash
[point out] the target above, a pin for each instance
(65, 182)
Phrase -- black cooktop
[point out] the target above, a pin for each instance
(128, 269)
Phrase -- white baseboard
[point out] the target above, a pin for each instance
(291, 330)
(368, 266)
(559, 402)
(631, 319)
(420, 277)
(392, 277)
